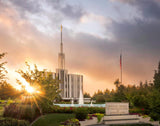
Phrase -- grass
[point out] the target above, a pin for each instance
(53, 119)
(1, 109)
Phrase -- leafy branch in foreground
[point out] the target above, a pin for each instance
(42, 81)
(3, 71)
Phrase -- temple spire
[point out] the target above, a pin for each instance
(61, 41)
(61, 55)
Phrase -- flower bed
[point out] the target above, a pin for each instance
(71, 122)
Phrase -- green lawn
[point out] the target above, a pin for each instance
(52, 119)
(1, 109)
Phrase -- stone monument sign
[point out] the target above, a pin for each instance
(117, 108)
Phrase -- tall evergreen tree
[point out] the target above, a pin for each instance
(156, 77)
(87, 95)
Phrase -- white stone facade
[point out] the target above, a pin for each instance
(69, 83)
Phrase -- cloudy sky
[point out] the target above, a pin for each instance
(94, 33)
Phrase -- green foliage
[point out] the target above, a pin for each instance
(7, 91)
(117, 83)
(154, 115)
(26, 112)
(81, 113)
(136, 110)
(87, 95)
(145, 116)
(13, 122)
(100, 99)
(2, 69)
(92, 110)
(57, 109)
(143, 98)
(99, 116)
(53, 119)
(157, 77)
(140, 101)
(42, 81)
(71, 122)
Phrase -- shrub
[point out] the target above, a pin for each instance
(89, 116)
(92, 110)
(154, 116)
(71, 122)
(137, 111)
(65, 109)
(100, 99)
(99, 116)
(13, 122)
(26, 112)
(81, 113)
(140, 101)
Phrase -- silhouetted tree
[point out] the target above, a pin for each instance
(100, 99)
(87, 95)
(7, 91)
(156, 77)
(3, 71)
(43, 81)
(117, 83)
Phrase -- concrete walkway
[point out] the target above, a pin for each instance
(93, 122)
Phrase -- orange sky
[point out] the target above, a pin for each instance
(93, 37)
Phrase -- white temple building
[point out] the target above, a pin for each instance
(70, 84)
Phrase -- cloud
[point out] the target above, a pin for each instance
(90, 17)
(149, 9)
(30, 6)
(97, 58)
(67, 10)
(72, 11)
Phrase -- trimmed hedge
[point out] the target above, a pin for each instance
(81, 113)
(137, 111)
(58, 109)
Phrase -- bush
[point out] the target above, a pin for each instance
(99, 116)
(100, 99)
(26, 112)
(155, 116)
(140, 101)
(137, 111)
(89, 116)
(13, 122)
(92, 110)
(71, 122)
(81, 113)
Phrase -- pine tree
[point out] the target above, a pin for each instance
(156, 77)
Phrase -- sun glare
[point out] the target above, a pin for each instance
(18, 87)
(30, 89)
